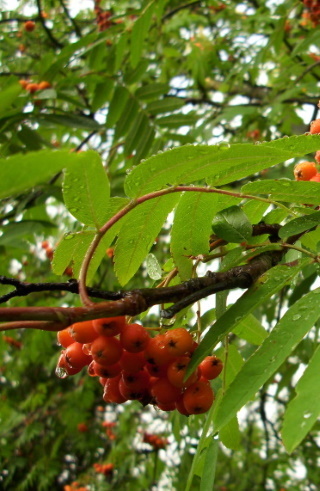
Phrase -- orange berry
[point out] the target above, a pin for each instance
(105, 372)
(64, 365)
(176, 372)
(211, 367)
(44, 85)
(178, 341)
(22, 48)
(315, 127)
(198, 398)
(29, 26)
(317, 156)
(132, 362)
(134, 338)
(315, 178)
(76, 357)
(109, 326)
(111, 391)
(24, 83)
(157, 352)
(32, 88)
(164, 392)
(106, 350)
(83, 332)
(304, 171)
(82, 427)
(64, 338)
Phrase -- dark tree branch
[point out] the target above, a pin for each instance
(181, 7)
(71, 19)
(136, 301)
(53, 40)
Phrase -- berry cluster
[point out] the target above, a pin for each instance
(34, 87)
(155, 441)
(313, 7)
(131, 365)
(102, 17)
(308, 171)
(105, 469)
(75, 486)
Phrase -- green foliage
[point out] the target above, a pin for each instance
(215, 99)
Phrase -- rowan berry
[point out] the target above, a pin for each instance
(64, 338)
(83, 332)
(132, 362)
(24, 83)
(75, 357)
(317, 156)
(177, 370)
(138, 380)
(315, 127)
(178, 341)
(134, 338)
(109, 326)
(181, 407)
(82, 427)
(111, 391)
(211, 367)
(106, 350)
(63, 368)
(315, 178)
(305, 171)
(198, 398)
(32, 88)
(29, 26)
(44, 85)
(164, 392)
(131, 393)
(157, 352)
(170, 406)
(95, 369)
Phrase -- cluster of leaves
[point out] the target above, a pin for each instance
(161, 76)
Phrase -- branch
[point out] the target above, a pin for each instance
(53, 40)
(177, 9)
(71, 19)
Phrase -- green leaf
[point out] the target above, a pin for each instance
(255, 210)
(151, 91)
(209, 467)
(302, 411)
(73, 246)
(267, 285)
(191, 237)
(138, 134)
(165, 105)
(20, 172)
(8, 96)
(311, 240)
(102, 94)
(71, 121)
(86, 190)
(285, 190)
(251, 330)
(221, 164)
(137, 234)
(127, 118)
(300, 224)
(230, 434)
(139, 33)
(177, 120)
(232, 225)
(289, 331)
(117, 104)
(23, 229)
